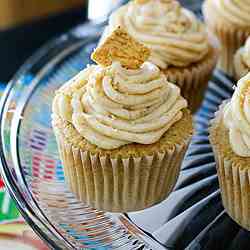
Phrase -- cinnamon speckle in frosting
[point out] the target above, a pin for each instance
(233, 11)
(141, 109)
(114, 105)
(173, 33)
(237, 118)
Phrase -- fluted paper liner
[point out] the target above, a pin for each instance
(231, 40)
(120, 184)
(230, 36)
(193, 80)
(234, 180)
(235, 190)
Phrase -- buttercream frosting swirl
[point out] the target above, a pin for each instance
(233, 11)
(174, 35)
(114, 106)
(237, 118)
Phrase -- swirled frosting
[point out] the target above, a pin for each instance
(174, 35)
(233, 11)
(237, 118)
(114, 106)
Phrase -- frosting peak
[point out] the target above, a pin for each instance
(165, 15)
(114, 106)
(173, 33)
(237, 118)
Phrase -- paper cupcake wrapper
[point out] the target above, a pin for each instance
(193, 80)
(120, 185)
(231, 40)
(234, 181)
(230, 37)
(240, 69)
(235, 190)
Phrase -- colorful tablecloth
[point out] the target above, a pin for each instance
(15, 234)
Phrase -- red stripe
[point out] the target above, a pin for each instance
(36, 163)
(50, 166)
(48, 177)
(37, 158)
(50, 161)
(1, 183)
(49, 172)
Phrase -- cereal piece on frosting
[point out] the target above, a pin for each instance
(120, 46)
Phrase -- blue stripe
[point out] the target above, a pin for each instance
(2, 87)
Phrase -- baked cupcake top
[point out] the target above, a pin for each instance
(232, 11)
(174, 35)
(114, 105)
(237, 118)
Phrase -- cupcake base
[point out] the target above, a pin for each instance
(233, 172)
(131, 178)
(193, 80)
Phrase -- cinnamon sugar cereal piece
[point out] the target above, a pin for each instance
(121, 47)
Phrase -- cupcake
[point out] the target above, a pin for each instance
(242, 61)
(179, 43)
(122, 129)
(230, 21)
(230, 138)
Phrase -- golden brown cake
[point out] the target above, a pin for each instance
(122, 133)
(229, 20)
(230, 138)
(242, 60)
(180, 45)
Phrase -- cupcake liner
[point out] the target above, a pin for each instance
(193, 80)
(120, 184)
(231, 39)
(240, 69)
(230, 36)
(234, 180)
(235, 190)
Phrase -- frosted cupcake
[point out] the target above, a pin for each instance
(242, 61)
(178, 41)
(230, 138)
(122, 129)
(230, 21)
